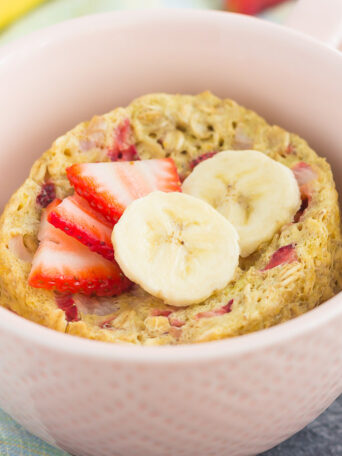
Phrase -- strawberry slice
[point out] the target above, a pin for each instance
(78, 219)
(304, 175)
(111, 187)
(63, 264)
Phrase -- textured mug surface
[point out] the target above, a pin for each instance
(231, 397)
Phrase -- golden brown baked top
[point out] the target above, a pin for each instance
(301, 275)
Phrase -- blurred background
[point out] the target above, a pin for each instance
(18, 17)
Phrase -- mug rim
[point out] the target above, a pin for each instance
(12, 54)
(72, 27)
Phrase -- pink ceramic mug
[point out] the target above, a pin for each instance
(232, 397)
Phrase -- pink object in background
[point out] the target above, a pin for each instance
(238, 396)
(249, 6)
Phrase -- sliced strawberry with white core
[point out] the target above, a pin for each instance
(78, 219)
(160, 312)
(111, 187)
(61, 263)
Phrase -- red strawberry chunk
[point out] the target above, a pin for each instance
(216, 312)
(78, 219)
(111, 187)
(63, 264)
(71, 314)
(160, 313)
(303, 173)
(201, 158)
(228, 306)
(285, 254)
(67, 303)
(290, 149)
(167, 313)
(175, 322)
(64, 300)
(301, 210)
(306, 197)
(46, 195)
(123, 148)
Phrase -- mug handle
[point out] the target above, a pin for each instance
(321, 19)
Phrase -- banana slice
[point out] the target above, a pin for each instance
(176, 247)
(255, 193)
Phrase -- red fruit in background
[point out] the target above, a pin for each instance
(78, 219)
(63, 264)
(111, 187)
(249, 6)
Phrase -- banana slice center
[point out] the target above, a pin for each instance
(255, 193)
(176, 247)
